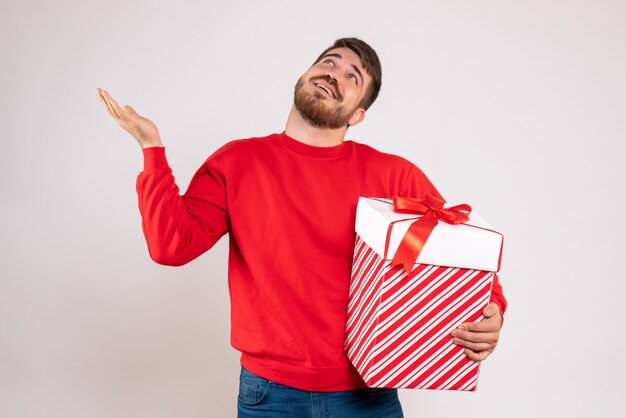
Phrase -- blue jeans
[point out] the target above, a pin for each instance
(259, 397)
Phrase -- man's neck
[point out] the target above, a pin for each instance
(300, 130)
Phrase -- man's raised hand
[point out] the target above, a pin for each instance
(142, 129)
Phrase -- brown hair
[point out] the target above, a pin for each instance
(370, 62)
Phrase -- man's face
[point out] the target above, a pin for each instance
(329, 93)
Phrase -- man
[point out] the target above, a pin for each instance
(288, 203)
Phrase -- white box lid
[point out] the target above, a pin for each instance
(472, 245)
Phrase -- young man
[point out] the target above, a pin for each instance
(288, 202)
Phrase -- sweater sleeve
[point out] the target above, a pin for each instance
(496, 294)
(180, 228)
(419, 185)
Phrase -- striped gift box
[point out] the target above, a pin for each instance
(398, 326)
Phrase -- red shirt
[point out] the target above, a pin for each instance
(289, 209)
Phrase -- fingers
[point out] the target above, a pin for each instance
(491, 324)
(491, 309)
(480, 356)
(480, 338)
(483, 331)
(104, 98)
(478, 345)
(130, 110)
(116, 108)
(473, 346)
(476, 337)
(110, 104)
(104, 102)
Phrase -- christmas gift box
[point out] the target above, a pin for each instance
(419, 271)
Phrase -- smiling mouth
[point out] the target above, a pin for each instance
(328, 91)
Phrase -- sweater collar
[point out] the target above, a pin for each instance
(310, 150)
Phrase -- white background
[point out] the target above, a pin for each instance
(517, 108)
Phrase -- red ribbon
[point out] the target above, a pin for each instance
(432, 211)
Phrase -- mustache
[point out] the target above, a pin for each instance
(332, 82)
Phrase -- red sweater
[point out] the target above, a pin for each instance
(289, 209)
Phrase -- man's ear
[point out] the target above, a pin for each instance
(357, 117)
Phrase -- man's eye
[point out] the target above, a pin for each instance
(353, 77)
(331, 62)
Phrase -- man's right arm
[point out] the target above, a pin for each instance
(177, 228)
(180, 228)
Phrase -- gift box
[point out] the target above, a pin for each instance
(418, 272)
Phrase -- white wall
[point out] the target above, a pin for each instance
(518, 108)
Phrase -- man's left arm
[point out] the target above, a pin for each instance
(481, 338)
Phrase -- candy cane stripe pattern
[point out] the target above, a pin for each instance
(398, 326)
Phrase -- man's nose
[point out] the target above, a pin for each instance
(332, 77)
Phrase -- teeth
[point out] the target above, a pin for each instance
(330, 93)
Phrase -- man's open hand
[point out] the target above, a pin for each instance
(142, 129)
(480, 338)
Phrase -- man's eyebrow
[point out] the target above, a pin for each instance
(336, 55)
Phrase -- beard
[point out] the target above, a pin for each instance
(315, 111)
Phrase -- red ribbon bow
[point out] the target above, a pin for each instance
(432, 211)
